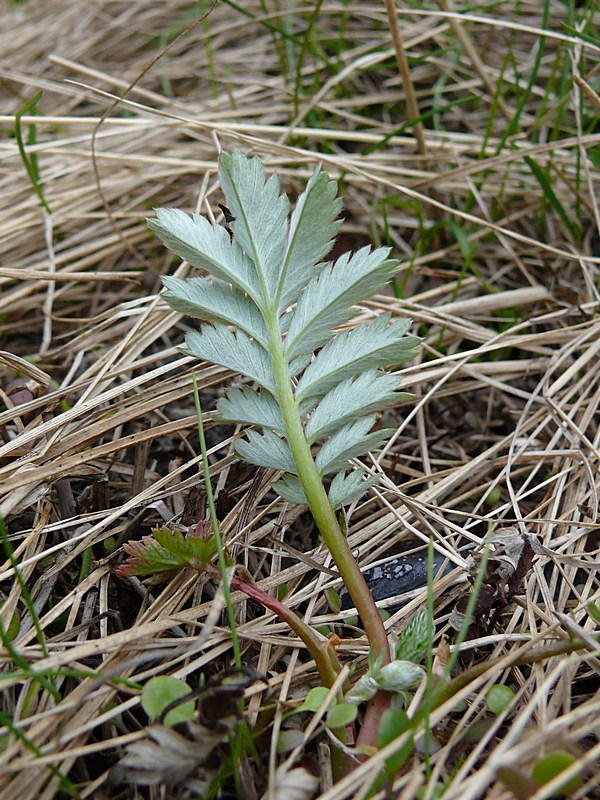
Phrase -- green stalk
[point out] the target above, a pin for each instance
(319, 503)
(322, 653)
(237, 656)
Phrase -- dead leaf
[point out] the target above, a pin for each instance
(295, 784)
(187, 753)
(166, 756)
(509, 561)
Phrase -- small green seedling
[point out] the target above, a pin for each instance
(166, 550)
(271, 312)
(338, 714)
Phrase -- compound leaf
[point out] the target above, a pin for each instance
(164, 551)
(265, 266)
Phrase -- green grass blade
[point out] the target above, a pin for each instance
(65, 783)
(525, 95)
(432, 112)
(551, 196)
(216, 530)
(30, 162)
(23, 586)
(306, 43)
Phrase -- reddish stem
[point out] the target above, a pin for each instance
(320, 649)
(367, 736)
(322, 652)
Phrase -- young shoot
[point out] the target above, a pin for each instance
(272, 307)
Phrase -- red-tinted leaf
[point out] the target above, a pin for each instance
(165, 551)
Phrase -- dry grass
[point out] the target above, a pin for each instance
(100, 440)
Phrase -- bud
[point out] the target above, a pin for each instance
(394, 677)
(399, 675)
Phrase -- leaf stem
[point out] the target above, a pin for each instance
(319, 504)
(320, 649)
(322, 653)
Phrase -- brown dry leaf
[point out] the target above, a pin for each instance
(509, 560)
(511, 551)
(166, 756)
(294, 784)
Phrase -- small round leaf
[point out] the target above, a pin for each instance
(498, 698)
(551, 765)
(493, 497)
(341, 714)
(163, 690)
(314, 699)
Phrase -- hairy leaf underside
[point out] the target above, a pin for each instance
(270, 301)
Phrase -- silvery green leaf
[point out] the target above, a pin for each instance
(285, 321)
(290, 488)
(206, 246)
(299, 363)
(249, 407)
(370, 345)
(218, 302)
(350, 441)
(313, 227)
(234, 350)
(414, 638)
(352, 398)
(260, 216)
(266, 450)
(328, 299)
(345, 488)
